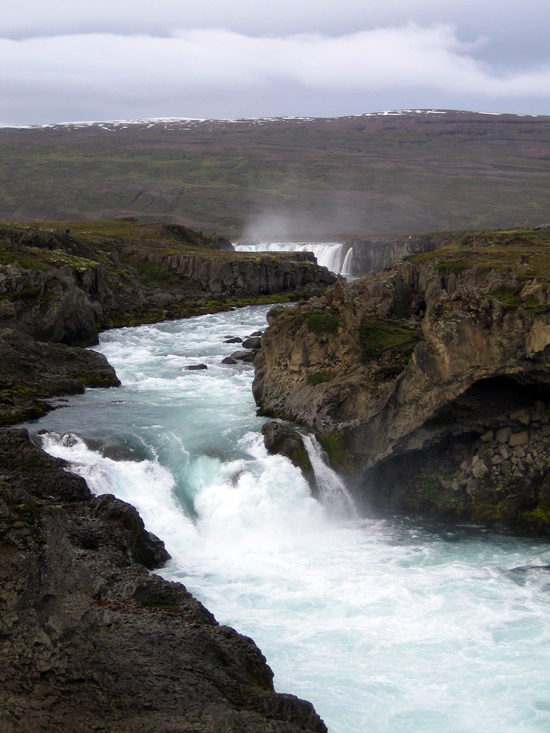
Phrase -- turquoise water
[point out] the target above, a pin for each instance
(384, 625)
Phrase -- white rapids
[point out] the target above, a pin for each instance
(332, 255)
(387, 626)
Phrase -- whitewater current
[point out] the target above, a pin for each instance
(332, 255)
(384, 625)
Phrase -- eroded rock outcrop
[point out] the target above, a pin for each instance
(89, 640)
(32, 371)
(62, 287)
(412, 374)
(378, 252)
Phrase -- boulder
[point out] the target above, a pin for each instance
(503, 435)
(519, 439)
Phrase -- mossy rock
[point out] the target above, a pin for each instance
(335, 446)
(320, 378)
(388, 340)
(318, 322)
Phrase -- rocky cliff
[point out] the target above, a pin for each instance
(428, 382)
(61, 286)
(90, 640)
(378, 252)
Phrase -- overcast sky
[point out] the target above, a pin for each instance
(63, 60)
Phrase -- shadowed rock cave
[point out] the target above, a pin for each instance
(485, 457)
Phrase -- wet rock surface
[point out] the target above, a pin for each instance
(31, 371)
(287, 441)
(89, 640)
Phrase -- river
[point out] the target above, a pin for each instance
(385, 625)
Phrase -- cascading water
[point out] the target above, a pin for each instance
(332, 255)
(386, 626)
(332, 490)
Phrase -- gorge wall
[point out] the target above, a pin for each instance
(428, 382)
(89, 639)
(61, 286)
(378, 252)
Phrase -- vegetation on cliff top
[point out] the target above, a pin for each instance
(524, 254)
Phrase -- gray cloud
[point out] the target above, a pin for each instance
(133, 59)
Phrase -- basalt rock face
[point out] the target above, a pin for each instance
(286, 441)
(377, 253)
(61, 287)
(431, 379)
(89, 640)
(263, 275)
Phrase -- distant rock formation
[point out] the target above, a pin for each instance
(378, 252)
(62, 288)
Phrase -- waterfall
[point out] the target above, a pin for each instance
(347, 266)
(328, 254)
(332, 490)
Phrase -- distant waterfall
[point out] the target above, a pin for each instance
(328, 254)
(332, 490)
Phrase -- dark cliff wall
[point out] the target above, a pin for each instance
(61, 287)
(377, 253)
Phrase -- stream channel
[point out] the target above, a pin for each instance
(384, 625)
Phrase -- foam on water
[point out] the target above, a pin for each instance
(386, 626)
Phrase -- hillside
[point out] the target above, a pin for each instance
(304, 178)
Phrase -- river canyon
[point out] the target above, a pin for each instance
(384, 624)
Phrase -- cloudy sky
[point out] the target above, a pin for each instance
(64, 60)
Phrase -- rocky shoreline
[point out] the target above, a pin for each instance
(428, 383)
(89, 639)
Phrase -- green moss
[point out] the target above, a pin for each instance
(25, 514)
(537, 517)
(25, 294)
(300, 459)
(448, 267)
(394, 339)
(509, 296)
(339, 456)
(98, 380)
(488, 511)
(319, 378)
(411, 504)
(318, 322)
(151, 274)
(170, 607)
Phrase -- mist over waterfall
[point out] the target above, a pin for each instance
(332, 255)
